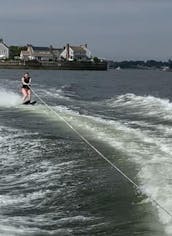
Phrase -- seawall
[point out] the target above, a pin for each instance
(61, 65)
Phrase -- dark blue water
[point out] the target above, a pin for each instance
(52, 183)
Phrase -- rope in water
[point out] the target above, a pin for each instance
(100, 154)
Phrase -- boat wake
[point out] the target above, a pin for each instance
(142, 138)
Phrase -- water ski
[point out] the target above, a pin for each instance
(29, 102)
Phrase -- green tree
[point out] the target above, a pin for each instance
(96, 59)
(15, 51)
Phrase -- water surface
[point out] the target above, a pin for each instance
(52, 183)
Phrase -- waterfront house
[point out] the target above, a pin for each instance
(37, 53)
(4, 50)
(56, 52)
(78, 53)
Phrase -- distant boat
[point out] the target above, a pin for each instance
(118, 68)
(165, 68)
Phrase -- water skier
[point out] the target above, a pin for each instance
(26, 91)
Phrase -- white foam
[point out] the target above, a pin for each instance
(75, 219)
(17, 228)
(147, 106)
(55, 93)
(9, 98)
(7, 200)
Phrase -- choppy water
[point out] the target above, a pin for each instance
(51, 183)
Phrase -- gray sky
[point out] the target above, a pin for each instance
(114, 29)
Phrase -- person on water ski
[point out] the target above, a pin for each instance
(26, 91)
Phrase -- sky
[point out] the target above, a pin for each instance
(113, 29)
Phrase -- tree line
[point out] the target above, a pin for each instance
(140, 64)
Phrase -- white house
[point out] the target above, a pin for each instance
(79, 53)
(4, 50)
(37, 53)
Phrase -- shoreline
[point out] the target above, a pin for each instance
(54, 65)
